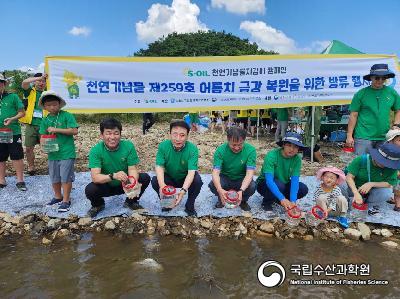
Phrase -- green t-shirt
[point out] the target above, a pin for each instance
(374, 107)
(358, 168)
(194, 118)
(282, 168)
(282, 114)
(66, 145)
(10, 104)
(35, 120)
(113, 161)
(177, 163)
(234, 165)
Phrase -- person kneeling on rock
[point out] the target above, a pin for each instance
(371, 176)
(112, 164)
(176, 165)
(279, 178)
(234, 166)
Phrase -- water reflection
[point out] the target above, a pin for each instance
(105, 266)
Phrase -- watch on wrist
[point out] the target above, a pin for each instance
(111, 175)
(184, 190)
(241, 190)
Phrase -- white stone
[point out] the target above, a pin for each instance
(352, 233)
(365, 231)
(386, 233)
(206, 224)
(137, 216)
(149, 264)
(53, 223)
(110, 225)
(242, 229)
(85, 221)
(267, 227)
(376, 231)
(335, 229)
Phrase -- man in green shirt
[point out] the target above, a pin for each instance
(279, 177)
(11, 109)
(176, 165)
(370, 111)
(33, 116)
(234, 166)
(371, 177)
(112, 161)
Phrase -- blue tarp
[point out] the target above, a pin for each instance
(40, 192)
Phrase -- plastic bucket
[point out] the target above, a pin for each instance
(315, 216)
(6, 135)
(50, 143)
(232, 199)
(347, 155)
(129, 187)
(293, 216)
(168, 196)
(359, 211)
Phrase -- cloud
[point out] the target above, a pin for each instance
(269, 38)
(240, 7)
(180, 17)
(32, 70)
(319, 45)
(76, 31)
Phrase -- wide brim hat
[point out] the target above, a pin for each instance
(51, 93)
(388, 155)
(337, 171)
(391, 134)
(381, 70)
(293, 138)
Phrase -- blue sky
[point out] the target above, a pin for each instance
(34, 29)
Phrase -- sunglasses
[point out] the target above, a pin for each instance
(378, 78)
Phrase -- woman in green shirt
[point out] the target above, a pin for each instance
(371, 177)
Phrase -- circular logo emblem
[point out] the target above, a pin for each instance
(276, 278)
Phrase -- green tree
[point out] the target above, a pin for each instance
(16, 78)
(201, 43)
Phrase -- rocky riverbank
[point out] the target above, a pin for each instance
(48, 230)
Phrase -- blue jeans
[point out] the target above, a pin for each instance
(362, 146)
(375, 195)
(270, 198)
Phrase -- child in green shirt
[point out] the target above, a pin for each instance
(59, 126)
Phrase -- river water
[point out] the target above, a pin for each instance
(102, 265)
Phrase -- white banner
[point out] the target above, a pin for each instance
(140, 84)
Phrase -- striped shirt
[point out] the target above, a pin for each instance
(332, 195)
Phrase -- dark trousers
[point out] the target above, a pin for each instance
(148, 121)
(96, 192)
(228, 184)
(270, 198)
(193, 190)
